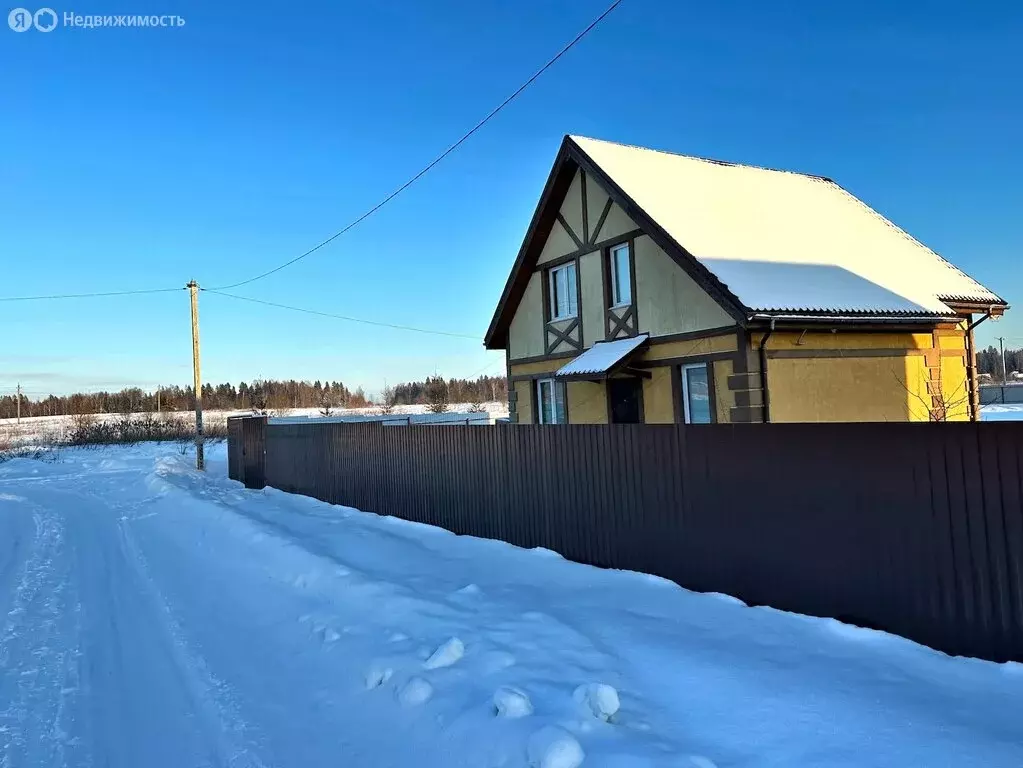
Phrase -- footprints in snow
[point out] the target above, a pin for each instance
(415, 692)
(447, 654)
(512, 703)
(377, 675)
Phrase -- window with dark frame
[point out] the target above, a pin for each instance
(564, 297)
(696, 393)
(550, 402)
(620, 266)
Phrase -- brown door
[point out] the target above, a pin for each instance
(625, 401)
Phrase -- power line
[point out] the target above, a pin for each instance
(341, 317)
(88, 295)
(493, 113)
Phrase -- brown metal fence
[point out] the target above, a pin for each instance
(912, 528)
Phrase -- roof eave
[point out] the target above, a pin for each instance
(847, 318)
(560, 175)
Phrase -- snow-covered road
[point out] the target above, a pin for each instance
(151, 616)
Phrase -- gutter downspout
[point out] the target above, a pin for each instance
(766, 407)
(972, 378)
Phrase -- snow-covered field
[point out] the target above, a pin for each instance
(1002, 412)
(152, 616)
(53, 430)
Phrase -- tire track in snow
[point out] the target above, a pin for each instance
(222, 722)
(130, 634)
(38, 651)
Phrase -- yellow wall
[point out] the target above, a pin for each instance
(591, 288)
(596, 198)
(524, 402)
(572, 207)
(525, 335)
(724, 397)
(689, 348)
(616, 223)
(558, 244)
(848, 389)
(668, 299)
(658, 402)
(956, 388)
(843, 340)
(540, 366)
(587, 402)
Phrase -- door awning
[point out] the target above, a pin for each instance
(602, 359)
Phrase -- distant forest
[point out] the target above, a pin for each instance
(990, 361)
(262, 395)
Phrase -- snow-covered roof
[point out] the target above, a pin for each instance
(783, 241)
(601, 357)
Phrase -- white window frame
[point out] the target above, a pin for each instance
(685, 390)
(554, 383)
(573, 296)
(613, 251)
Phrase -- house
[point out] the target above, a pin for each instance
(659, 288)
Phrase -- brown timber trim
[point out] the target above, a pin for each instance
(571, 232)
(533, 376)
(627, 319)
(971, 307)
(817, 353)
(586, 211)
(562, 336)
(540, 359)
(652, 342)
(616, 323)
(705, 358)
(712, 393)
(676, 394)
(557, 184)
(724, 330)
(600, 221)
(592, 248)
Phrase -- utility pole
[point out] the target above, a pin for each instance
(193, 290)
(19, 401)
(1001, 349)
(158, 400)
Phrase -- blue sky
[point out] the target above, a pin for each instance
(146, 157)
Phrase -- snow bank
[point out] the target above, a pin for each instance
(155, 616)
(552, 747)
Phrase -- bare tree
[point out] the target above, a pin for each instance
(940, 403)
(387, 398)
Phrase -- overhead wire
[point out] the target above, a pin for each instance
(346, 318)
(98, 294)
(426, 169)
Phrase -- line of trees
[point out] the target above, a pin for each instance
(259, 395)
(990, 361)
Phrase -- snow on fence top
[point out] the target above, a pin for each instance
(392, 419)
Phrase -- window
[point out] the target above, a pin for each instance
(621, 275)
(550, 402)
(564, 298)
(696, 394)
